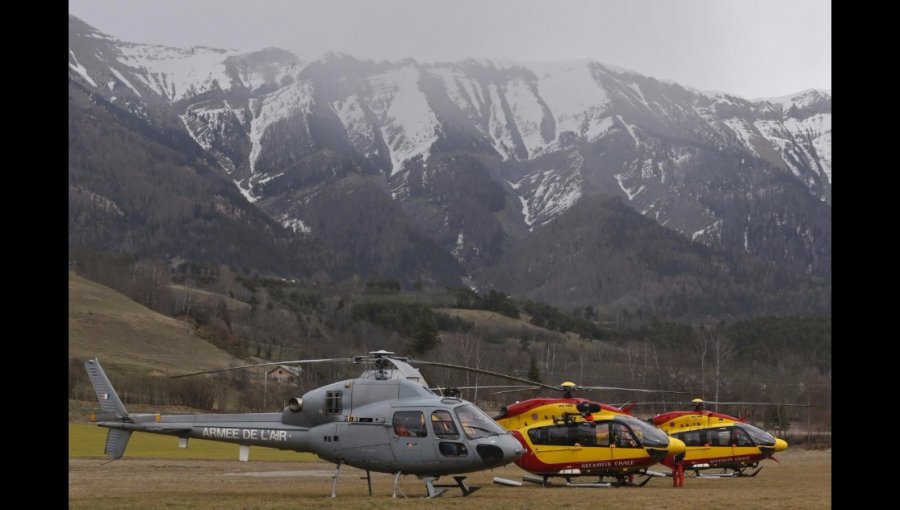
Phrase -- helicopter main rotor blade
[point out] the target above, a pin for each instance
(520, 388)
(293, 362)
(480, 387)
(720, 403)
(485, 372)
(616, 388)
(755, 404)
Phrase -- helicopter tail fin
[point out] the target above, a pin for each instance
(116, 442)
(109, 400)
(112, 407)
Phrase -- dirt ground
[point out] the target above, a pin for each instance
(801, 480)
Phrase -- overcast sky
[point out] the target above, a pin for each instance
(751, 48)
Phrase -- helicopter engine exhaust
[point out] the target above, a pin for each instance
(295, 404)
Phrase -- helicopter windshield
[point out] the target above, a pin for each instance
(476, 424)
(647, 434)
(759, 436)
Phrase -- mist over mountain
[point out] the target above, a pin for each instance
(572, 182)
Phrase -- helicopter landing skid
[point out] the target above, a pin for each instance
(629, 482)
(436, 490)
(733, 474)
(546, 482)
(588, 484)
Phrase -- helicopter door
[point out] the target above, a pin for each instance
(741, 444)
(450, 444)
(572, 443)
(624, 444)
(720, 443)
(409, 437)
(368, 442)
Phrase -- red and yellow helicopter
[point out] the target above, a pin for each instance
(717, 441)
(572, 437)
(569, 437)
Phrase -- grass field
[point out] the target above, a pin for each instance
(156, 474)
(105, 323)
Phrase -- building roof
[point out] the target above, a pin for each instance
(293, 370)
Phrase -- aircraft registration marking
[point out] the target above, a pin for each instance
(238, 433)
(611, 463)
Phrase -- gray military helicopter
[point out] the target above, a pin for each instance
(386, 421)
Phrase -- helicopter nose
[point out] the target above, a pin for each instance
(504, 450)
(780, 445)
(676, 446)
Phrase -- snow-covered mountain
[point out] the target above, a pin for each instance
(482, 152)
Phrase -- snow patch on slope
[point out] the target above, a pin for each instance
(408, 125)
(501, 137)
(552, 192)
(527, 114)
(80, 69)
(576, 99)
(295, 99)
(246, 192)
(353, 117)
(629, 191)
(178, 73)
(295, 225)
(122, 79)
(744, 131)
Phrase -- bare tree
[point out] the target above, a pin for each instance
(701, 345)
(723, 351)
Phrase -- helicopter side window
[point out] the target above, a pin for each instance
(552, 435)
(692, 438)
(560, 436)
(449, 449)
(410, 424)
(443, 425)
(601, 434)
(584, 435)
(333, 401)
(719, 437)
(740, 438)
(538, 436)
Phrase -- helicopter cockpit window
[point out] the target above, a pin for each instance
(443, 425)
(759, 436)
(333, 401)
(623, 437)
(476, 424)
(646, 434)
(410, 423)
(740, 438)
